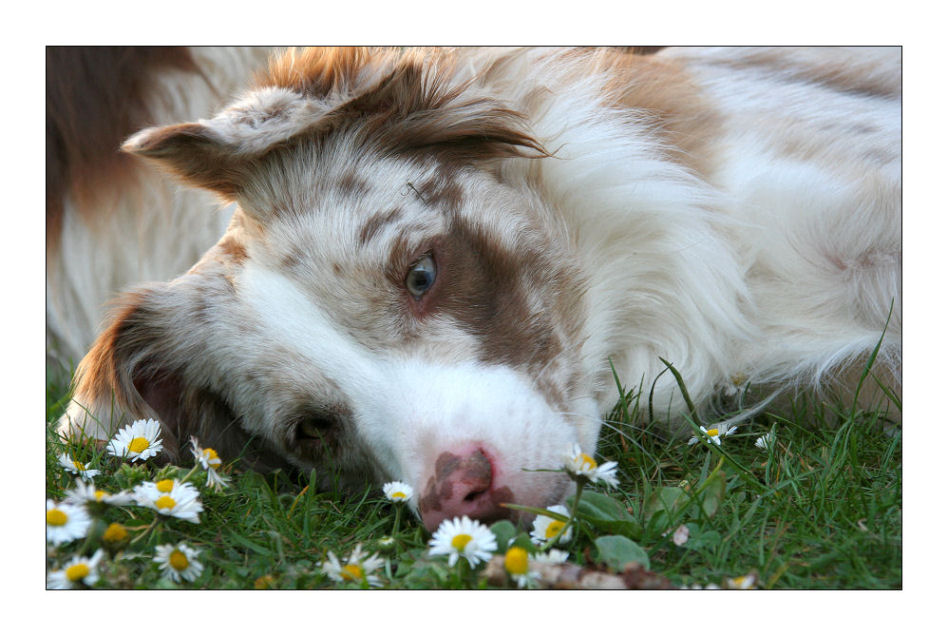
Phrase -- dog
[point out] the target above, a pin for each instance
(438, 261)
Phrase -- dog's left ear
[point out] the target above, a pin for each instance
(192, 152)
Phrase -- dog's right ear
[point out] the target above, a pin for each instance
(143, 366)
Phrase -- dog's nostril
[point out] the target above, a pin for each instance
(471, 496)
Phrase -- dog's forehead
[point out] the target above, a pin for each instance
(355, 217)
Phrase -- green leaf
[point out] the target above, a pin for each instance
(505, 532)
(616, 552)
(712, 493)
(597, 506)
(606, 514)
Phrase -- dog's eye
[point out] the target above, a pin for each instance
(421, 276)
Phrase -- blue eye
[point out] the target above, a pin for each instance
(421, 276)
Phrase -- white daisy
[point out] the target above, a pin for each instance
(78, 571)
(398, 491)
(65, 522)
(551, 556)
(745, 582)
(581, 465)
(139, 440)
(87, 493)
(517, 564)
(178, 562)
(359, 567)
(170, 497)
(766, 441)
(714, 434)
(210, 462)
(76, 467)
(545, 528)
(463, 537)
(207, 457)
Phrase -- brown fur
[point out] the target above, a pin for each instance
(665, 92)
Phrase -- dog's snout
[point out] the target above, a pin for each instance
(463, 484)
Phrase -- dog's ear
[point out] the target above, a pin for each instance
(194, 153)
(143, 365)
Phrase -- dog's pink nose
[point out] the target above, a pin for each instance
(463, 484)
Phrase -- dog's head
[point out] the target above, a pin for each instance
(384, 300)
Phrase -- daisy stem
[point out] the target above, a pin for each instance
(146, 531)
(191, 472)
(714, 472)
(398, 518)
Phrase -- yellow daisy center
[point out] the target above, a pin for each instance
(588, 462)
(165, 503)
(516, 560)
(460, 541)
(553, 527)
(56, 517)
(77, 572)
(114, 533)
(178, 560)
(165, 485)
(352, 572)
(212, 457)
(712, 432)
(100, 494)
(138, 445)
(78, 464)
(399, 495)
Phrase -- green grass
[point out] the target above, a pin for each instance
(822, 509)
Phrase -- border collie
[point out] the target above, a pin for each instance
(434, 260)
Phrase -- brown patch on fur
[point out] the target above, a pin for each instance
(666, 92)
(483, 290)
(95, 97)
(846, 75)
(233, 249)
(442, 191)
(375, 223)
(352, 185)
